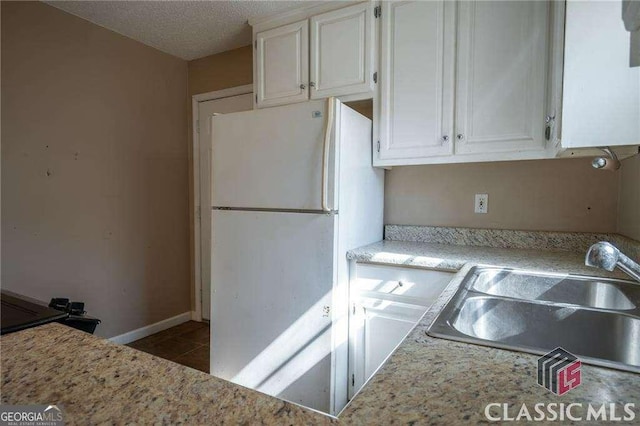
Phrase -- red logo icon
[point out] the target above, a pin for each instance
(559, 371)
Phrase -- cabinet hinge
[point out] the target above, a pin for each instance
(375, 77)
(255, 44)
(377, 11)
(256, 98)
(378, 147)
(353, 380)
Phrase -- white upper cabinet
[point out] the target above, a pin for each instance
(463, 81)
(417, 81)
(601, 95)
(282, 64)
(501, 76)
(336, 59)
(342, 51)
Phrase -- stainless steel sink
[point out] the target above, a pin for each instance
(596, 319)
(569, 289)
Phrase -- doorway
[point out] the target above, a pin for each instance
(206, 106)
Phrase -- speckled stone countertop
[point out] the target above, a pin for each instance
(435, 381)
(426, 380)
(454, 257)
(99, 382)
(508, 238)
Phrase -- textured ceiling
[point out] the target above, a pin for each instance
(186, 29)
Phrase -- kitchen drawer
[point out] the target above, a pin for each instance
(401, 284)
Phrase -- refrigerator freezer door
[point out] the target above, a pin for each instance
(272, 278)
(270, 158)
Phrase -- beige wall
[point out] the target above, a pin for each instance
(221, 71)
(553, 195)
(363, 107)
(629, 201)
(94, 168)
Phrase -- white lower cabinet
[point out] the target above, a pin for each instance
(386, 303)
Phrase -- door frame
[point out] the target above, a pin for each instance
(195, 164)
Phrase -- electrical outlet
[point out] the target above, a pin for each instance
(482, 203)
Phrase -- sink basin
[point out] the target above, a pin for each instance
(596, 319)
(574, 290)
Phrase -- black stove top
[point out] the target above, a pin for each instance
(19, 312)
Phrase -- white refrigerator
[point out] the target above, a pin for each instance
(292, 190)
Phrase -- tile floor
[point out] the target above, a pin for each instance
(186, 344)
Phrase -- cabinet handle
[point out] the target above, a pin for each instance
(460, 136)
(302, 86)
(445, 138)
(312, 84)
(400, 284)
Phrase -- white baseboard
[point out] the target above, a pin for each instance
(148, 330)
(195, 316)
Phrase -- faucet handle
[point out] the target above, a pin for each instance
(606, 256)
(602, 255)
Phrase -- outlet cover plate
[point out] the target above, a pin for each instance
(482, 203)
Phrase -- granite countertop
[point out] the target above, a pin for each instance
(454, 257)
(97, 382)
(437, 381)
(426, 380)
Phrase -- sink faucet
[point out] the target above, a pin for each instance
(604, 255)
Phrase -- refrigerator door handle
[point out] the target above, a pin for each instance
(275, 210)
(325, 152)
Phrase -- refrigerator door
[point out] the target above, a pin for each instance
(271, 301)
(271, 158)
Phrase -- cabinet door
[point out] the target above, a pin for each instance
(384, 329)
(342, 51)
(601, 96)
(386, 303)
(416, 79)
(282, 65)
(379, 326)
(501, 76)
